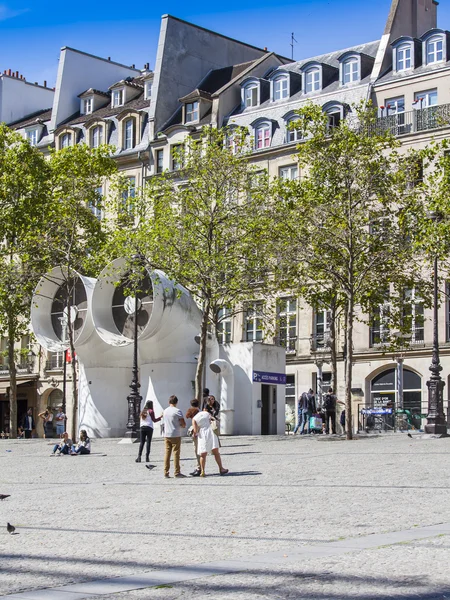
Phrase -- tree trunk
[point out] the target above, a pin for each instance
(349, 365)
(202, 353)
(12, 386)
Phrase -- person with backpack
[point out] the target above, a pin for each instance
(329, 405)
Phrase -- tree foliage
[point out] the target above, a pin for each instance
(25, 207)
(342, 234)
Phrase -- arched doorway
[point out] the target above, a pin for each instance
(384, 390)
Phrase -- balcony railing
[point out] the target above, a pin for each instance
(320, 342)
(383, 337)
(55, 362)
(415, 121)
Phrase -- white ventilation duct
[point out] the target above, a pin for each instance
(226, 399)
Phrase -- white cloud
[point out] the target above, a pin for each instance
(9, 13)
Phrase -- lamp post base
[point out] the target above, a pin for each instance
(439, 429)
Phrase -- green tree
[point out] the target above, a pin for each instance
(75, 236)
(342, 234)
(205, 225)
(26, 208)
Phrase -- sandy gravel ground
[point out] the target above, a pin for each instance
(86, 518)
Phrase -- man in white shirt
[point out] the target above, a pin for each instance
(173, 423)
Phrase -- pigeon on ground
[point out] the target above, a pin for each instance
(4, 496)
(10, 528)
(409, 435)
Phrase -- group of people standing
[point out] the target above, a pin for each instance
(204, 432)
(49, 418)
(314, 418)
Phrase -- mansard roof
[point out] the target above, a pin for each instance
(138, 103)
(32, 119)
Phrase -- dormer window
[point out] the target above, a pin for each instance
(263, 135)
(33, 136)
(434, 49)
(128, 134)
(312, 80)
(350, 71)
(96, 136)
(88, 104)
(280, 88)
(65, 140)
(191, 114)
(403, 57)
(148, 90)
(293, 133)
(117, 98)
(250, 95)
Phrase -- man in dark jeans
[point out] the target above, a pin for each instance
(329, 405)
(28, 424)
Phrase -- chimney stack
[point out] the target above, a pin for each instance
(45, 84)
(9, 72)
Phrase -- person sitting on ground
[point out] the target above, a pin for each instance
(63, 446)
(84, 445)
(195, 404)
(207, 441)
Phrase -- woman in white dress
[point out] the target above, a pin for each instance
(207, 441)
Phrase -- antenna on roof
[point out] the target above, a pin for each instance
(293, 40)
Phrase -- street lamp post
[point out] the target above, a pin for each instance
(436, 423)
(134, 399)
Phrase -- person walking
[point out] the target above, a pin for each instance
(60, 419)
(195, 409)
(207, 441)
(173, 423)
(28, 424)
(147, 418)
(329, 405)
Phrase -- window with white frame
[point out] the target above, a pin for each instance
(128, 195)
(117, 98)
(128, 134)
(335, 115)
(232, 141)
(191, 114)
(250, 95)
(434, 49)
(148, 90)
(280, 88)
(293, 134)
(33, 136)
(403, 57)
(176, 154)
(290, 397)
(312, 80)
(224, 326)
(88, 104)
(322, 320)
(65, 140)
(254, 322)
(350, 71)
(263, 135)
(287, 323)
(96, 206)
(159, 160)
(96, 136)
(380, 321)
(289, 172)
(395, 109)
(413, 315)
(426, 99)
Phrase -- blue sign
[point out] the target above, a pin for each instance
(376, 411)
(273, 378)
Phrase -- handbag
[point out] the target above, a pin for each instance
(214, 425)
(190, 431)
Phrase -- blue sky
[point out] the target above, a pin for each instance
(32, 32)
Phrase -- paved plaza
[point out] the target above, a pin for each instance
(296, 518)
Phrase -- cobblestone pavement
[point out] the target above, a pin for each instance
(82, 519)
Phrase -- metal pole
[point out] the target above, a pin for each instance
(64, 382)
(400, 382)
(134, 398)
(436, 423)
(320, 383)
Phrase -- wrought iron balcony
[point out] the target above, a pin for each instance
(414, 121)
(320, 342)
